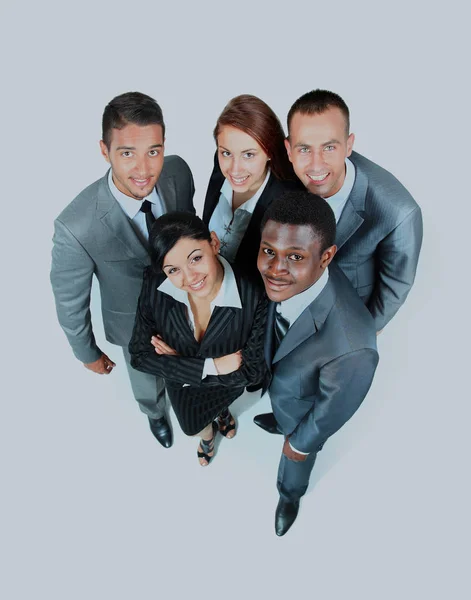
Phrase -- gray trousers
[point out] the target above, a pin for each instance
(148, 390)
(293, 477)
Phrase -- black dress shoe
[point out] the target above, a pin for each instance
(285, 516)
(161, 430)
(268, 422)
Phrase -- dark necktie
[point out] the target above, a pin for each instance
(281, 327)
(146, 208)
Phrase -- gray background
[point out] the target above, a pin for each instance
(92, 507)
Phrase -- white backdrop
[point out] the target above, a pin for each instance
(92, 507)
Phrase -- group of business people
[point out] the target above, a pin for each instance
(304, 252)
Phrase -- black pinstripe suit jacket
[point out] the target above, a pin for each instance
(196, 401)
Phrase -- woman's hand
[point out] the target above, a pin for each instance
(229, 363)
(161, 347)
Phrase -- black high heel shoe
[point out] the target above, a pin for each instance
(207, 446)
(226, 423)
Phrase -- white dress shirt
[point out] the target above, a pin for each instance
(337, 201)
(132, 208)
(292, 308)
(231, 226)
(227, 296)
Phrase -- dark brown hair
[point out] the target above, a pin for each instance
(131, 107)
(316, 103)
(252, 116)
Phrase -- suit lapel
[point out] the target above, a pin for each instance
(351, 217)
(270, 334)
(308, 323)
(178, 321)
(167, 192)
(113, 217)
(218, 322)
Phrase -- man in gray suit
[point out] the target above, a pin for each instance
(379, 225)
(320, 340)
(104, 232)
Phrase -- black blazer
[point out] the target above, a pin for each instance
(248, 250)
(230, 329)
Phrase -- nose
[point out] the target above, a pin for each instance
(235, 167)
(142, 166)
(277, 266)
(317, 160)
(189, 276)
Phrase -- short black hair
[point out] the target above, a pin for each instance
(303, 208)
(317, 102)
(169, 229)
(131, 107)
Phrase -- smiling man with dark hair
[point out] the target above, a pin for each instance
(320, 340)
(104, 233)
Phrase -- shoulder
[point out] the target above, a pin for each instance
(382, 186)
(174, 165)
(349, 315)
(276, 187)
(249, 284)
(83, 206)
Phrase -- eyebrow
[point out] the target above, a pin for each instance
(134, 147)
(243, 151)
(285, 249)
(192, 252)
(302, 144)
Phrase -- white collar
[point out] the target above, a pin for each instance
(292, 308)
(340, 198)
(228, 294)
(248, 205)
(131, 206)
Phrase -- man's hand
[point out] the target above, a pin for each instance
(291, 454)
(103, 366)
(161, 347)
(229, 363)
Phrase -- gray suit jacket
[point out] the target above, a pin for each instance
(379, 236)
(93, 236)
(324, 365)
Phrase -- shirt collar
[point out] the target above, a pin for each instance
(248, 205)
(228, 294)
(131, 206)
(341, 196)
(292, 308)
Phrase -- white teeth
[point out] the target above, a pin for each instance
(239, 180)
(317, 177)
(197, 285)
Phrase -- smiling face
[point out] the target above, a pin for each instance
(136, 155)
(192, 265)
(318, 145)
(242, 160)
(290, 259)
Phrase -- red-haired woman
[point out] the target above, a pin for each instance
(251, 170)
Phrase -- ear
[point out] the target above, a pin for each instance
(327, 256)
(104, 151)
(288, 148)
(215, 243)
(350, 140)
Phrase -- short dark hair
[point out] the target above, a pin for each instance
(303, 208)
(169, 229)
(317, 102)
(131, 107)
(254, 117)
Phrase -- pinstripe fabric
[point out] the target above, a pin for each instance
(230, 329)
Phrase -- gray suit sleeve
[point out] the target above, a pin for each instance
(343, 384)
(71, 278)
(397, 255)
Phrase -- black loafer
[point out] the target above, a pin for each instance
(285, 516)
(267, 422)
(161, 430)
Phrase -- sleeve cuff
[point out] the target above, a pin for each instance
(298, 451)
(209, 368)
